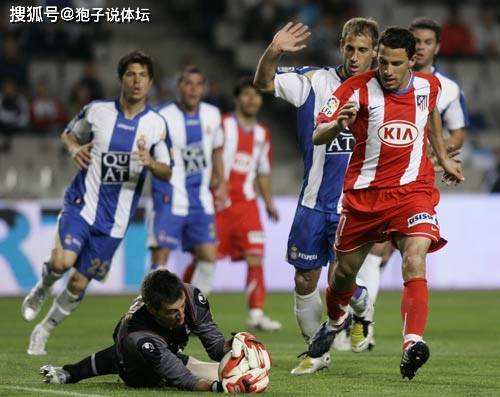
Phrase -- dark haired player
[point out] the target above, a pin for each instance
(150, 338)
(389, 191)
(247, 162)
(113, 143)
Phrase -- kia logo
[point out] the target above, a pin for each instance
(398, 133)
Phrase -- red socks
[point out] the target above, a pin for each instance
(188, 272)
(414, 309)
(337, 302)
(256, 288)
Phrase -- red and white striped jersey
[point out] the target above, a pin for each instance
(390, 130)
(247, 153)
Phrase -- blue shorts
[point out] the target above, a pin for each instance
(311, 238)
(171, 231)
(95, 249)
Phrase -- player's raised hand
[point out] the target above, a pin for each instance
(291, 37)
(347, 114)
(81, 155)
(143, 155)
(453, 173)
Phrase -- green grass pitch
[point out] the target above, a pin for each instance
(463, 334)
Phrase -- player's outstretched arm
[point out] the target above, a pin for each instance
(79, 153)
(290, 38)
(453, 173)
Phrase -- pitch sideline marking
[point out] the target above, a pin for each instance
(49, 391)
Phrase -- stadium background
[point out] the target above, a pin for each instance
(49, 71)
(57, 68)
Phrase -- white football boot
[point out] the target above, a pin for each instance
(309, 365)
(55, 375)
(258, 321)
(362, 331)
(34, 301)
(342, 341)
(38, 340)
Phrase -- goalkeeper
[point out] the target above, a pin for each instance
(150, 338)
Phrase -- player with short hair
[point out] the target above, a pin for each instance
(113, 143)
(389, 188)
(310, 243)
(247, 162)
(451, 103)
(183, 207)
(150, 338)
(451, 106)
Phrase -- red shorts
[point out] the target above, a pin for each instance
(239, 230)
(375, 215)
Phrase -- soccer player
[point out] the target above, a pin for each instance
(451, 106)
(184, 207)
(247, 161)
(310, 243)
(111, 143)
(451, 103)
(150, 338)
(389, 188)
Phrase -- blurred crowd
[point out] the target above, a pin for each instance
(39, 105)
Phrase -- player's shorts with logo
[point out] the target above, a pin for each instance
(310, 242)
(94, 248)
(374, 215)
(167, 230)
(239, 230)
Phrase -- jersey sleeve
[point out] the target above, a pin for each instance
(165, 364)
(344, 93)
(265, 158)
(80, 126)
(218, 141)
(456, 116)
(292, 85)
(435, 93)
(163, 148)
(205, 328)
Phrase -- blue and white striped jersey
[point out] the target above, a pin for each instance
(194, 138)
(308, 89)
(108, 192)
(451, 103)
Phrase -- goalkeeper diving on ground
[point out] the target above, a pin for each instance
(150, 338)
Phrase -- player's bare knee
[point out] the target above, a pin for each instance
(60, 262)
(207, 254)
(306, 281)
(345, 269)
(253, 260)
(77, 283)
(160, 256)
(413, 265)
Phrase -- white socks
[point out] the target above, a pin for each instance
(255, 314)
(49, 277)
(63, 305)
(203, 276)
(308, 309)
(370, 275)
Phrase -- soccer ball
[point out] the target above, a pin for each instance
(232, 366)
